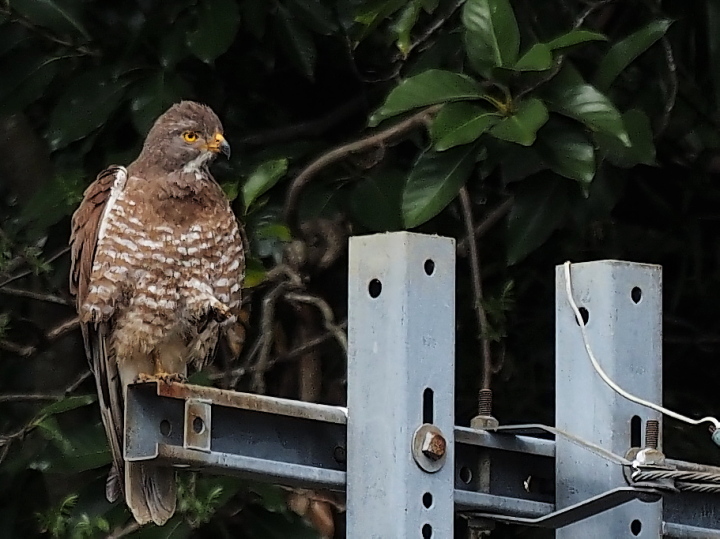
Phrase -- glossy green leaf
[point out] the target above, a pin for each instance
(254, 273)
(67, 404)
(13, 36)
(82, 447)
(569, 152)
(174, 45)
(624, 52)
(376, 201)
(59, 15)
(428, 88)
(541, 207)
(642, 147)
(434, 182)
(298, 43)
(460, 123)
(155, 95)
(405, 23)
(522, 127)
(586, 104)
(263, 178)
(85, 105)
(25, 80)
(574, 37)
(217, 24)
(537, 58)
(491, 32)
(316, 15)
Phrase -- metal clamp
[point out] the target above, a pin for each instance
(198, 424)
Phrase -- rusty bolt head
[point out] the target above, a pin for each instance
(433, 446)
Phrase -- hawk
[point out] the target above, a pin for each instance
(157, 269)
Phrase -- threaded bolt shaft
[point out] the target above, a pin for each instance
(485, 402)
(652, 433)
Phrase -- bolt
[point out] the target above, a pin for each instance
(485, 398)
(433, 446)
(652, 433)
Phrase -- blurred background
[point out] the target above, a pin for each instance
(533, 132)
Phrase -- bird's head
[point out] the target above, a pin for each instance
(186, 137)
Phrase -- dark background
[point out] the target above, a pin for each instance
(600, 142)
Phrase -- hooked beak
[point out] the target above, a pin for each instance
(219, 145)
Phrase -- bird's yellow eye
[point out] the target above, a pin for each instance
(190, 136)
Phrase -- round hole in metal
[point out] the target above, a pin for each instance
(374, 288)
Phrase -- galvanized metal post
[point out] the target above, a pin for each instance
(623, 305)
(401, 371)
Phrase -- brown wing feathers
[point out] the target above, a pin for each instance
(83, 241)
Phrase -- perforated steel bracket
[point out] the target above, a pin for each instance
(198, 424)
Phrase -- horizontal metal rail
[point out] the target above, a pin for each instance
(304, 444)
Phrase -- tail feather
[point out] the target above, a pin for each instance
(151, 492)
(113, 487)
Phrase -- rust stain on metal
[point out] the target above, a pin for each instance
(434, 446)
(248, 401)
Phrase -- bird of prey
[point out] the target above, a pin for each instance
(157, 268)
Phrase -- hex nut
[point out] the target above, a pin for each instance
(434, 446)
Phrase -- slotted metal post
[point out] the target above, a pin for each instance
(623, 302)
(401, 371)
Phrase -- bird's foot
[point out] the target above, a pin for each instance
(220, 312)
(166, 377)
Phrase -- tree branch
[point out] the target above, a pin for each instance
(486, 224)
(30, 271)
(13, 16)
(48, 298)
(55, 333)
(304, 129)
(375, 140)
(483, 325)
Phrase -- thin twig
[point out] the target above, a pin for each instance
(21, 350)
(30, 397)
(54, 333)
(486, 224)
(309, 345)
(30, 271)
(375, 140)
(672, 90)
(430, 29)
(6, 440)
(560, 60)
(306, 129)
(81, 50)
(327, 314)
(483, 326)
(265, 339)
(48, 298)
(47, 396)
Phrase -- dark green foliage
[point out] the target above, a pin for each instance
(580, 130)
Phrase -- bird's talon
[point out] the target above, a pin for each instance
(165, 377)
